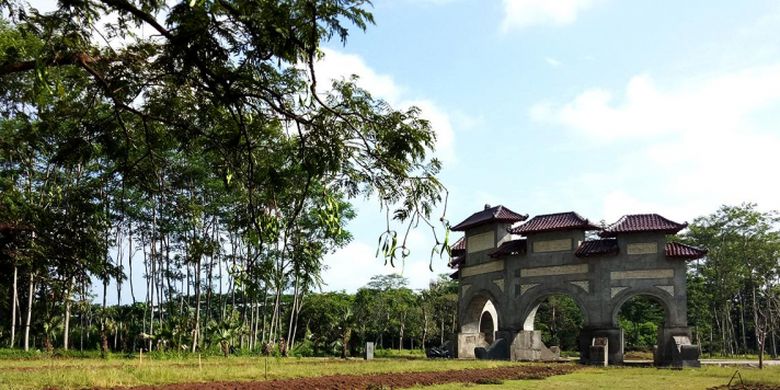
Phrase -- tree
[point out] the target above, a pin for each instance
(740, 270)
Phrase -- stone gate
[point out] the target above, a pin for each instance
(507, 265)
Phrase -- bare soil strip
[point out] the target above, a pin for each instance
(385, 381)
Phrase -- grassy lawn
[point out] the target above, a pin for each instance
(89, 372)
(32, 372)
(635, 379)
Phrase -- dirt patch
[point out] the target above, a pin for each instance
(385, 381)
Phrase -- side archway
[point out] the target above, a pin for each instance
(480, 314)
(648, 335)
(479, 321)
(656, 294)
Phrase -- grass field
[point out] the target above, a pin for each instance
(619, 378)
(71, 373)
(80, 373)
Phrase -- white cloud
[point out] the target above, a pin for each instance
(684, 150)
(336, 65)
(352, 267)
(525, 13)
(708, 106)
(552, 62)
(618, 203)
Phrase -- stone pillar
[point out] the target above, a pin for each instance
(614, 345)
(527, 345)
(467, 342)
(675, 348)
(369, 355)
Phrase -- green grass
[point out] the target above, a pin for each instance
(404, 353)
(37, 371)
(635, 379)
(81, 373)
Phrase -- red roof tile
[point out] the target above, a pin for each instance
(489, 214)
(682, 251)
(510, 248)
(642, 223)
(603, 247)
(459, 246)
(554, 222)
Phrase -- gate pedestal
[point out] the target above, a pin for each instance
(614, 345)
(675, 348)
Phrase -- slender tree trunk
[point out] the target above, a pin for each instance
(130, 259)
(150, 288)
(14, 299)
(66, 331)
(755, 317)
(425, 328)
(290, 335)
(196, 332)
(81, 319)
(275, 315)
(158, 260)
(742, 323)
(103, 334)
(441, 341)
(265, 336)
(29, 313)
(297, 317)
(773, 325)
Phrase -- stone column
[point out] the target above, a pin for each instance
(675, 348)
(615, 345)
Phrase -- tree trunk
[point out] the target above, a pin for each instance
(401, 338)
(290, 335)
(130, 259)
(196, 331)
(756, 327)
(742, 323)
(14, 299)
(66, 331)
(441, 341)
(29, 314)
(425, 329)
(297, 309)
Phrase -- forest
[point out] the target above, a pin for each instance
(206, 147)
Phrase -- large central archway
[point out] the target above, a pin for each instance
(560, 320)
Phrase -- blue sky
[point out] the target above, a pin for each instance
(601, 107)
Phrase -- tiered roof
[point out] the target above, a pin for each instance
(513, 247)
(603, 247)
(609, 247)
(635, 223)
(490, 214)
(459, 246)
(554, 222)
(684, 252)
(457, 253)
